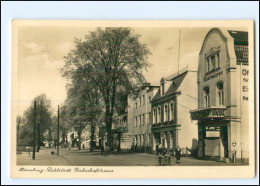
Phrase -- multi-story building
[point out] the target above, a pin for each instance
(172, 125)
(140, 117)
(121, 138)
(222, 112)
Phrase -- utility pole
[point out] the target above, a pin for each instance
(179, 51)
(39, 126)
(34, 130)
(18, 128)
(58, 141)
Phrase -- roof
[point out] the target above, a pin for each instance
(241, 45)
(240, 37)
(176, 82)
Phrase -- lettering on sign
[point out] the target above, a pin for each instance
(213, 76)
(217, 113)
(245, 73)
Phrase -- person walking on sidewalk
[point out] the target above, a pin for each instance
(178, 154)
(157, 149)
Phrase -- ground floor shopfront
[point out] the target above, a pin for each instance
(165, 135)
(220, 136)
(213, 140)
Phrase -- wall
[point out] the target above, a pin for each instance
(188, 133)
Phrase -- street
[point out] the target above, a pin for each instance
(76, 157)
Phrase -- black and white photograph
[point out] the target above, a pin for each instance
(99, 96)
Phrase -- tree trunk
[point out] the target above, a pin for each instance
(39, 137)
(109, 134)
(92, 135)
(66, 140)
(79, 143)
(119, 142)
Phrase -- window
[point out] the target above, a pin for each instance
(136, 121)
(154, 116)
(149, 99)
(213, 62)
(206, 97)
(143, 99)
(165, 113)
(140, 120)
(207, 65)
(171, 112)
(150, 118)
(140, 101)
(218, 61)
(220, 93)
(143, 119)
(159, 115)
(162, 88)
(136, 105)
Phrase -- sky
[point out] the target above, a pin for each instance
(41, 51)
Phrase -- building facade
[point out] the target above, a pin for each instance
(172, 125)
(121, 137)
(140, 117)
(222, 112)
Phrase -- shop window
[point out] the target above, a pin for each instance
(220, 93)
(206, 97)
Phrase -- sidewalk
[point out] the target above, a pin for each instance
(43, 157)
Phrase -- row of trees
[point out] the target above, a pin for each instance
(101, 70)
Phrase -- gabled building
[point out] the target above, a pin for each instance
(171, 120)
(222, 113)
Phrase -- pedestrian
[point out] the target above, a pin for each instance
(157, 149)
(178, 154)
(234, 153)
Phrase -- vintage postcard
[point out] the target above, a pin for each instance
(132, 99)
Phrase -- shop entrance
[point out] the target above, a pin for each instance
(216, 142)
(212, 141)
(212, 146)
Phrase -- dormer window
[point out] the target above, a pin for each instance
(162, 88)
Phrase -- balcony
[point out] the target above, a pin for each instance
(213, 112)
(164, 126)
